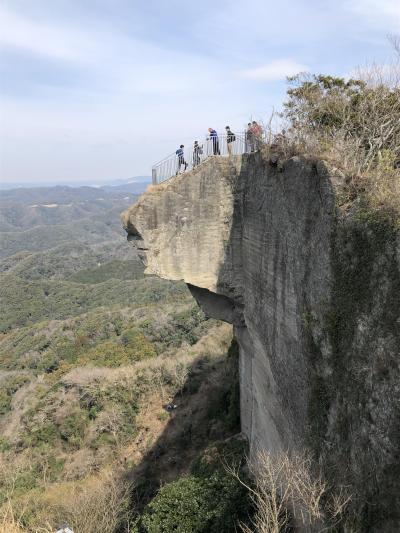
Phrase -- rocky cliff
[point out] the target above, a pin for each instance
(313, 295)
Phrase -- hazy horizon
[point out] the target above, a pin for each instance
(100, 91)
(4, 185)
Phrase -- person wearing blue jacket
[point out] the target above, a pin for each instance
(181, 158)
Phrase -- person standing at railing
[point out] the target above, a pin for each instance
(257, 134)
(249, 136)
(197, 152)
(181, 158)
(230, 139)
(215, 141)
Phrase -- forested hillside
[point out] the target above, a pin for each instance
(90, 352)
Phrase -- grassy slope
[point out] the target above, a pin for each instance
(65, 432)
(91, 351)
(28, 302)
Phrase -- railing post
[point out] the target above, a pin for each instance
(154, 176)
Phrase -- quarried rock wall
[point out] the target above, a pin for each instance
(313, 296)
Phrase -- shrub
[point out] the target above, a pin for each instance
(100, 506)
(8, 388)
(195, 505)
(325, 106)
(179, 506)
(355, 124)
(136, 344)
(38, 434)
(4, 444)
(72, 428)
(133, 346)
(209, 500)
(185, 326)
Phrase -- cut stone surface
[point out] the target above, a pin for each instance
(313, 295)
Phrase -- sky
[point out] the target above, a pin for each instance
(96, 90)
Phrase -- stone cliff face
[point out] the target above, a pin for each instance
(313, 296)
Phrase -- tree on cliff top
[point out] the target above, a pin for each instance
(362, 111)
(355, 124)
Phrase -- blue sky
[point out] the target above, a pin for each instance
(100, 89)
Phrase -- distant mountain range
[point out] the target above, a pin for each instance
(27, 208)
(135, 185)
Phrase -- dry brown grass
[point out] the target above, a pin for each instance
(383, 189)
(171, 368)
(100, 503)
(87, 484)
(156, 188)
(378, 185)
(8, 521)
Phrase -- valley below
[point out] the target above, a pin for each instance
(93, 354)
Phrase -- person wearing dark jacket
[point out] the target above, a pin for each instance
(197, 151)
(214, 140)
(230, 139)
(181, 158)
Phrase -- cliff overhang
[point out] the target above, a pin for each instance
(312, 296)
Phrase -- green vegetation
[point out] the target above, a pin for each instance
(91, 350)
(65, 260)
(103, 337)
(352, 109)
(27, 302)
(186, 326)
(338, 120)
(74, 426)
(85, 231)
(9, 386)
(124, 270)
(208, 500)
(87, 417)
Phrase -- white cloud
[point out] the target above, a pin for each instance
(114, 62)
(40, 38)
(127, 82)
(378, 13)
(276, 70)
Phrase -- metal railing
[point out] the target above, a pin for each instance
(222, 145)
